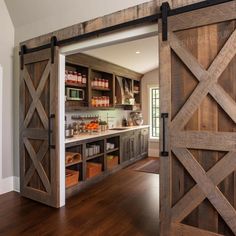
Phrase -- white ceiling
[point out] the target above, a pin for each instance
(124, 54)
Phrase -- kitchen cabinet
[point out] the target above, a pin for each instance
(144, 142)
(129, 146)
(94, 68)
(134, 144)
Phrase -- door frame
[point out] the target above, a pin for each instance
(1, 83)
(103, 41)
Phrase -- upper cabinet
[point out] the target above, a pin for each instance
(92, 83)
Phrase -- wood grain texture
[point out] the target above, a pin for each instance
(185, 230)
(39, 163)
(126, 203)
(225, 209)
(165, 165)
(203, 96)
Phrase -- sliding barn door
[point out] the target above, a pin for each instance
(39, 159)
(198, 127)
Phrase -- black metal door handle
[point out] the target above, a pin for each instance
(164, 152)
(50, 131)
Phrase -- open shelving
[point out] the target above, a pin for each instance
(95, 68)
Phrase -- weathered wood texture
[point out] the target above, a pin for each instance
(132, 13)
(201, 64)
(39, 165)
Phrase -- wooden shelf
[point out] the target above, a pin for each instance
(77, 85)
(101, 89)
(74, 163)
(112, 150)
(94, 156)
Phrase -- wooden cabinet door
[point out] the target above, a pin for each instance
(144, 141)
(125, 148)
(39, 141)
(198, 105)
(132, 154)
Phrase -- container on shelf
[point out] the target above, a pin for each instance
(93, 169)
(112, 161)
(72, 177)
(106, 84)
(110, 146)
(79, 78)
(84, 79)
(71, 157)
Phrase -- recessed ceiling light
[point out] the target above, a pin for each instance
(137, 52)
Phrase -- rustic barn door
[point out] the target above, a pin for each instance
(198, 127)
(39, 160)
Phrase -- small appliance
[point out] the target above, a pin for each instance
(74, 94)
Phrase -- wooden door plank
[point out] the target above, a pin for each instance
(215, 14)
(206, 140)
(195, 196)
(186, 230)
(165, 162)
(225, 209)
(217, 67)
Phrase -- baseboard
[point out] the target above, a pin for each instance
(10, 184)
(6, 185)
(153, 152)
(16, 184)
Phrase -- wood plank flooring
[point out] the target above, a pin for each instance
(126, 203)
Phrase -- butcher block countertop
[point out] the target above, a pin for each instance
(83, 137)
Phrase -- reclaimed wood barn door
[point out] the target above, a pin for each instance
(39, 163)
(198, 126)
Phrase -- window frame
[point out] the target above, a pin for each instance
(150, 107)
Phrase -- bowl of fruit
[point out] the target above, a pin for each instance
(93, 126)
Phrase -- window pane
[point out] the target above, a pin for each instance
(154, 99)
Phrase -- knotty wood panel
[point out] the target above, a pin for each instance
(202, 128)
(39, 164)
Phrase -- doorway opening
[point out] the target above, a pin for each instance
(106, 69)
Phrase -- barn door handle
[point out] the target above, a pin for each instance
(164, 152)
(50, 132)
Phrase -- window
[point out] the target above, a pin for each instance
(154, 112)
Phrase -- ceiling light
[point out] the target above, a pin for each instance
(137, 52)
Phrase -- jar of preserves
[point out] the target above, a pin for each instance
(95, 82)
(70, 76)
(106, 84)
(99, 82)
(103, 83)
(75, 78)
(95, 102)
(84, 79)
(79, 78)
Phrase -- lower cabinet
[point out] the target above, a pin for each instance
(134, 144)
(89, 161)
(144, 142)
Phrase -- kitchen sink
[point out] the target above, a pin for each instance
(121, 128)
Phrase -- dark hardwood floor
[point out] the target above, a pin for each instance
(126, 203)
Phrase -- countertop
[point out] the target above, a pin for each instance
(82, 137)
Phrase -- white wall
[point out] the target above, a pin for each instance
(61, 15)
(149, 79)
(6, 61)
